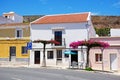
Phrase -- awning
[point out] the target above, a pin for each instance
(69, 52)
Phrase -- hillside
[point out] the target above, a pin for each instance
(31, 18)
(106, 21)
(98, 21)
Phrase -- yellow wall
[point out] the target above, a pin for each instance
(5, 45)
(4, 51)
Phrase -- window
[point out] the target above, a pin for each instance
(98, 57)
(19, 33)
(66, 55)
(24, 50)
(5, 16)
(59, 55)
(50, 54)
(58, 37)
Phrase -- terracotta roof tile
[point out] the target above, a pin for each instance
(66, 18)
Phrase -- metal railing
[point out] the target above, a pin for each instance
(62, 43)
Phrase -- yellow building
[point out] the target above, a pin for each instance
(13, 41)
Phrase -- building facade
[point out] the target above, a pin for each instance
(64, 28)
(13, 41)
(15, 18)
(106, 59)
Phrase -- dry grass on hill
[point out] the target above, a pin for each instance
(106, 21)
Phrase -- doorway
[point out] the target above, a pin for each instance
(113, 62)
(59, 57)
(74, 57)
(37, 57)
(12, 53)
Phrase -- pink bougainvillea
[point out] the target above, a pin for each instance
(89, 43)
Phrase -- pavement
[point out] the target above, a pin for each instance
(49, 67)
(22, 73)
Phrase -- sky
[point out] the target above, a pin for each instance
(48, 7)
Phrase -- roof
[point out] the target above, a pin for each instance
(64, 18)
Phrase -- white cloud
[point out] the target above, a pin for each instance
(117, 4)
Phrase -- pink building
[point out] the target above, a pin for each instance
(110, 60)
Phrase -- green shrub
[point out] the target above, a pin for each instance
(103, 31)
(89, 69)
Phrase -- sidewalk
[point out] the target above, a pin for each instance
(98, 71)
(13, 64)
(26, 65)
(108, 72)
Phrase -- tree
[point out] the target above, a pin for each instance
(103, 31)
(89, 44)
(44, 42)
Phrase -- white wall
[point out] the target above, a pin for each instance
(14, 17)
(115, 32)
(92, 32)
(71, 32)
(18, 18)
(32, 57)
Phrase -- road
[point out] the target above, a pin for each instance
(52, 74)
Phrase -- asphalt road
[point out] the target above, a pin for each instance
(52, 74)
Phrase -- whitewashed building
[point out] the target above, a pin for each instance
(115, 32)
(11, 17)
(64, 28)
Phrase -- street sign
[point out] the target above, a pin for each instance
(29, 45)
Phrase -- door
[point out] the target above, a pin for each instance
(74, 57)
(59, 57)
(37, 57)
(12, 53)
(113, 61)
